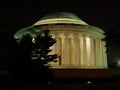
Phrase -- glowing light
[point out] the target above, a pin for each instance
(33, 40)
(118, 63)
(89, 82)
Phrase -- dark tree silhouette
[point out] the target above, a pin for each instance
(34, 57)
(41, 49)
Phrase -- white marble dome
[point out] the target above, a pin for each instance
(60, 17)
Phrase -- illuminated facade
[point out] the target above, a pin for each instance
(78, 44)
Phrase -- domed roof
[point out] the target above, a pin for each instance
(60, 17)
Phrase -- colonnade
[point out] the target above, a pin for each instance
(79, 50)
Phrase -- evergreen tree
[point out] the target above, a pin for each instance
(41, 49)
(38, 49)
(35, 56)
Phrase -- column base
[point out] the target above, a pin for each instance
(78, 67)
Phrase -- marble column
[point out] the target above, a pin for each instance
(92, 51)
(77, 48)
(98, 46)
(67, 50)
(101, 53)
(104, 54)
(59, 48)
(84, 51)
(62, 36)
(96, 52)
(88, 50)
(81, 49)
(72, 49)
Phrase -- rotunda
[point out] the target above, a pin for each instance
(79, 44)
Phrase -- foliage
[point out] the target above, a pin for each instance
(34, 56)
(41, 49)
(38, 50)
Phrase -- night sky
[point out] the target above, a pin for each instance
(103, 14)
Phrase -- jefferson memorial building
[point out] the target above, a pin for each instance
(79, 44)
